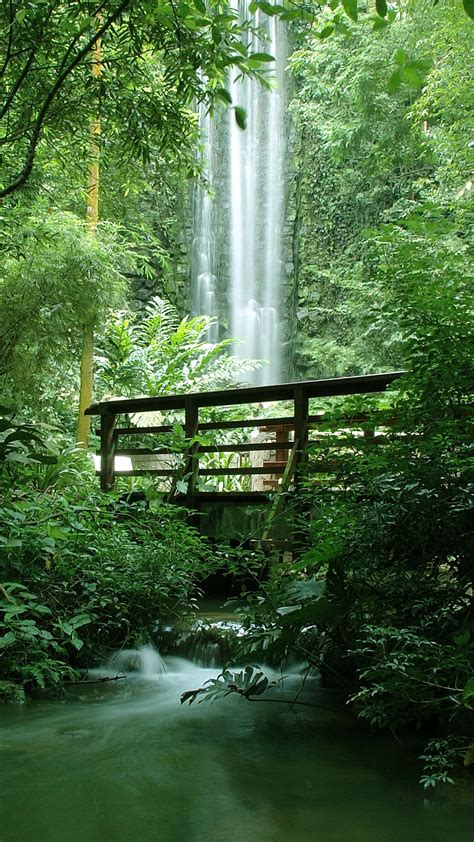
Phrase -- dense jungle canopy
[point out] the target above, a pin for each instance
(101, 152)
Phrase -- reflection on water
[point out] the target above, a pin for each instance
(123, 761)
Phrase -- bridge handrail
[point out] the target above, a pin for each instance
(330, 387)
(299, 393)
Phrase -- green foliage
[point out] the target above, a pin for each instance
(55, 279)
(409, 671)
(381, 602)
(157, 59)
(82, 572)
(441, 757)
(33, 654)
(159, 353)
(469, 8)
(424, 266)
(248, 683)
(385, 124)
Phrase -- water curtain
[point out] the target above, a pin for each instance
(237, 258)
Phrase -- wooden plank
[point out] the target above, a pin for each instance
(243, 447)
(147, 451)
(108, 440)
(315, 421)
(230, 472)
(331, 421)
(207, 425)
(282, 491)
(133, 431)
(242, 498)
(204, 472)
(143, 472)
(241, 424)
(333, 441)
(361, 384)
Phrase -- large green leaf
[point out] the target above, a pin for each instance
(262, 57)
(224, 95)
(326, 31)
(468, 692)
(319, 612)
(7, 640)
(411, 76)
(240, 117)
(350, 8)
(395, 81)
(469, 7)
(400, 57)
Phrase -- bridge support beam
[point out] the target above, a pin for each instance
(191, 472)
(108, 441)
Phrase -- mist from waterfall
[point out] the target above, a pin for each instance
(238, 232)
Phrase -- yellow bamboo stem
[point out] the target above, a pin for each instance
(92, 218)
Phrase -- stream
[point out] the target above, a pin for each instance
(124, 761)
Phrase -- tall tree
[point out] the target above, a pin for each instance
(92, 217)
(45, 85)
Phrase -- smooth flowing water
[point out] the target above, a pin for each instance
(123, 762)
(203, 258)
(238, 225)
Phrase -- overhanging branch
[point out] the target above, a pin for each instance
(25, 172)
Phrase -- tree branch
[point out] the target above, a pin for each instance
(17, 85)
(10, 40)
(25, 172)
(81, 32)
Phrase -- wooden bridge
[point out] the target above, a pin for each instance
(190, 438)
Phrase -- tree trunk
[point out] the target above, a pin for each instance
(85, 393)
(92, 218)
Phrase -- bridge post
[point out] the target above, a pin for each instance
(301, 513)
(108, 441)
(301, 409)
(191, 421)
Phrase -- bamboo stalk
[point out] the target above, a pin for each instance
(92, 219)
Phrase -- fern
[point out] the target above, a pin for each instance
(161, 319)
(162, 354)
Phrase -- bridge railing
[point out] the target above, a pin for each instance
(299, 422)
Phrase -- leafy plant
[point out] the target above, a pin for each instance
(82, 572)
(248, 683)
(159, 353)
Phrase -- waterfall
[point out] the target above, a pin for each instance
(240, 230)
(202, 254)
(145, 662)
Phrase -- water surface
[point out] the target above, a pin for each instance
(124, 761)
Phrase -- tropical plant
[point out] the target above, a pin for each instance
(81, 572)
(55, 278)
(159, 353)
(152, 55)
(380, 138)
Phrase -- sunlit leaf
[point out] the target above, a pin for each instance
(350, 8)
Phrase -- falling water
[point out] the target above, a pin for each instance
(202, 258)
(256, 208)
(146, 662)
(240, 230)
